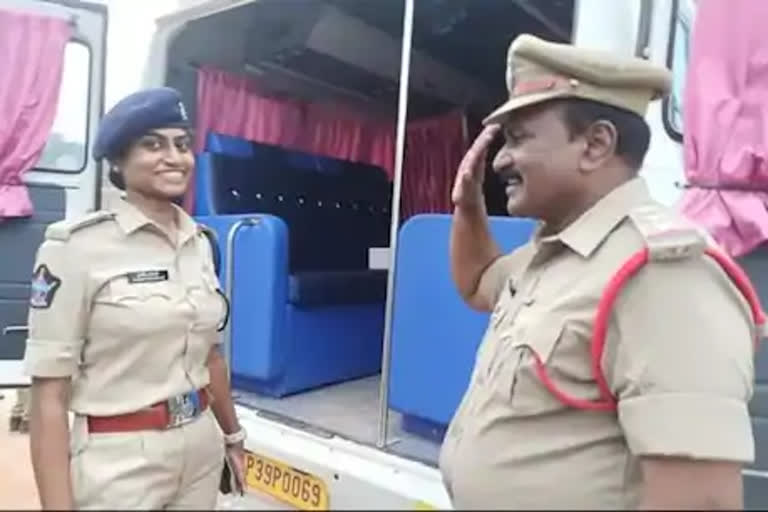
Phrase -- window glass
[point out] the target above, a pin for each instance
(66, 147)
(679, 53)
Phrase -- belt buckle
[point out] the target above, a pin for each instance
(183, 408)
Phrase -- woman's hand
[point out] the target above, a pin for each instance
(224, 410)
(236, 458)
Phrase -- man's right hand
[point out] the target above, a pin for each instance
(468, 186)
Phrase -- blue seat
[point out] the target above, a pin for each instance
(287, 339)
(228, 145)
(434, 334)
(215, 144)
(307, 310)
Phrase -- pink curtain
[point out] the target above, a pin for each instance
(434, 149)
(32, 57)
(233, 105)
(726, 123)
(334, 130)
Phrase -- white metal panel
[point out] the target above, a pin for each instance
(607, 25)
(12, 375)
(357, 476)
(81, 189)
(664, 162)
(613, 25)
(169, 26)
(90, 27)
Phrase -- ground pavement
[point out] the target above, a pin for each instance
(17, 483)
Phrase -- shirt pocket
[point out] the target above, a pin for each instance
(528, 344)
(141, 308)
(120, 290)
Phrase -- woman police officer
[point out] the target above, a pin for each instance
(124, 318)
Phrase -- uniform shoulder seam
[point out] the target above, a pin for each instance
(666, 234)
(64, 229)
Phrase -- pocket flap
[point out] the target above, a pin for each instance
(540, 337)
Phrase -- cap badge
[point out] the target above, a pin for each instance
(540, 84)
(182, 111)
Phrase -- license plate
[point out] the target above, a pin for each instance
(285, 483)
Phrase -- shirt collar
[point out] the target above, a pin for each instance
(587, 232)
(131, 219)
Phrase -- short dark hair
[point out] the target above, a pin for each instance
(634, 134)
(116, 178)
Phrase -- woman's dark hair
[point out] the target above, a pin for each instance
(116, 178)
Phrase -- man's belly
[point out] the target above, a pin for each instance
(565, 461)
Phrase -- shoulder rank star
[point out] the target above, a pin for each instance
(44, 286)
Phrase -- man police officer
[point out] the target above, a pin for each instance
(681, 376)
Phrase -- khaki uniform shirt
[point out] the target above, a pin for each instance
(678, 357)
(132, 315)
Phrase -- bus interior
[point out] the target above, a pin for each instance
(307, 300)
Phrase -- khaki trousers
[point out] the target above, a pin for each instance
(177, 468)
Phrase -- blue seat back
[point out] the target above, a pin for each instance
(435, 334)
(259, 292)
(334, 209)
(228, 145)
(282, 345)
(215, 143)
(204, 200)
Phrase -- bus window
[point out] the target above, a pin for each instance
(679, 51)
(65, 150)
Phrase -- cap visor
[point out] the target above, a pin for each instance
(504, 111)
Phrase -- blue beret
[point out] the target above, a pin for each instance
(135, 115)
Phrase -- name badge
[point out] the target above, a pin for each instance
(147, 276)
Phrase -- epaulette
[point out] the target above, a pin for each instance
(667, 235)
(62, 230)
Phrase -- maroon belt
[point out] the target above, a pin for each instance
(173, 412)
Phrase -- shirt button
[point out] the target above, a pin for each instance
(528, 301)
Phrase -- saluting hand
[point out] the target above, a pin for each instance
(468, 186)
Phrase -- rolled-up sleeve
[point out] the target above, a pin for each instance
(57, 312)
(681, 363)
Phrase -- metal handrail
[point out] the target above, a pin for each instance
(402, 114)
(15, 328)
(644, 29)
(228, 286)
